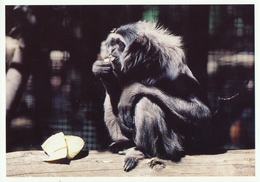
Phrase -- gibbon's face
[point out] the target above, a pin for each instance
(145, 49)
(116, 46)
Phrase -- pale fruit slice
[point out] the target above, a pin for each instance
(110, 58)
(107, 59)
(59, 146)
(59, 154)
(74, 145)
(55, 146)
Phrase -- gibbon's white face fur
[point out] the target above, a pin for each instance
(149, 46)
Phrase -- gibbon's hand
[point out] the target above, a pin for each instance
(101, 68)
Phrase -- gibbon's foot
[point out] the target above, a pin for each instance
(133, 155)
(130, 163)
(121, 145)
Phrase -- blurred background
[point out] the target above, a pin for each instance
(62, 94)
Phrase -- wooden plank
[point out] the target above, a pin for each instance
(96, 163)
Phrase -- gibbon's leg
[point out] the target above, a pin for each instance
(120, 142)
(153, 138)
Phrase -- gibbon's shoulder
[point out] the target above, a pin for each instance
(152, 31)
(158, 33)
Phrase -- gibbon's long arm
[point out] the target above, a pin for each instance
(191, 111)
(103, 70)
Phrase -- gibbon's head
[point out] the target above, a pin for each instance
(147, 49)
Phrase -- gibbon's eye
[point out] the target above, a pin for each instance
(112, 42)
(120, 44)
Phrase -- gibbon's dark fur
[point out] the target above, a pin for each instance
(152, 98)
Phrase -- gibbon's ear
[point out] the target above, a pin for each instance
(142, 54)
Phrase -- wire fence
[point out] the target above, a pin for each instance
(66, 96)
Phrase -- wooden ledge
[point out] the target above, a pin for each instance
(98, 164)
